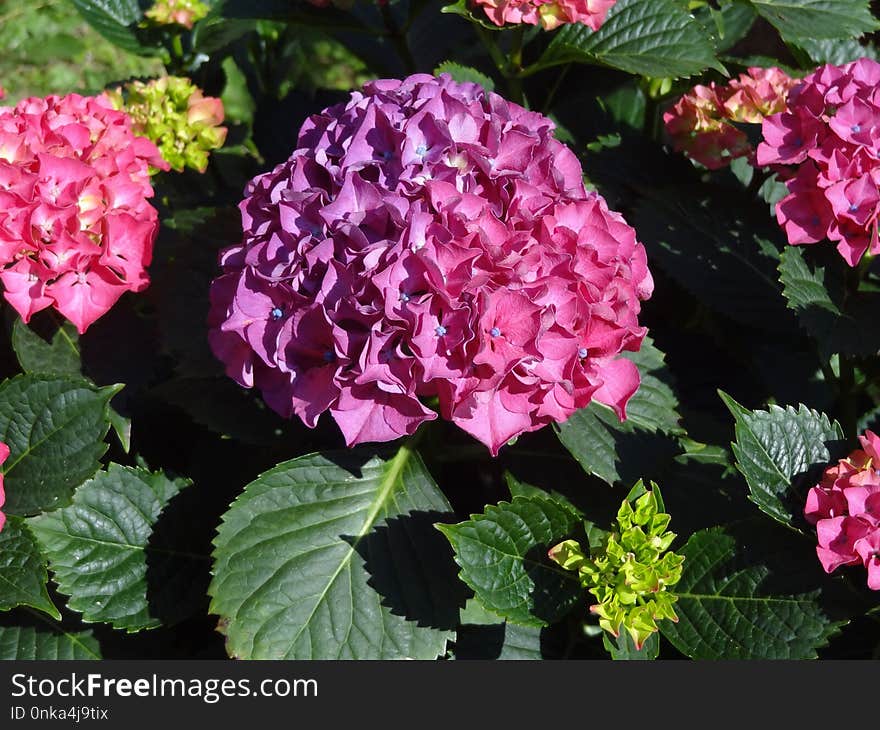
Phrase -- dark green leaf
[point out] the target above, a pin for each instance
(522, 489)
(462, 8)
(28, 643)
(835, 51)
(46, 346)
(809, 19)
(746, 594)
(97, 546)
(625, 451)
(115, 20)
(716, 247)
(54, 427)
(503, 558)
(23, 575)
(501, 641)
(778, 452)
(817, 292)
(656, 38)
(335, 556)
(465, 74)
(728, 24)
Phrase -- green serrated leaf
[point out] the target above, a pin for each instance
(54, 427)
(115, 20)
(18, 642)
(777, 450)
(46, 346)
(623, 648)
(522, 489)
(464, 74)
(23, 575)
(746, 593)
(714, 246)
(97, 547)
(475, 613)
(224, 408)
(462, 8)
(839, 323)
(799, 19)
(215, 32)
(623, 452)
(656, 38)
(728, 24)
(502, 642)
(836, 51)
(335, 556)
(502, 554)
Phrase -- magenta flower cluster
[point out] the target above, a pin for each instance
(430, 241)
(831, 133)
(76, 227)
(845, 507)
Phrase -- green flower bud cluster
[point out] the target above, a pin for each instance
(177, 12)
(172, 112)
(631, 571)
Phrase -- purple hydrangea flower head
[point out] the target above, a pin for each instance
(430, 239)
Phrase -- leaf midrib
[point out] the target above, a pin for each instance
(386, 487)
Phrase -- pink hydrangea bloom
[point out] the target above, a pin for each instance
(549, 14)
(76, 230)
(830, 135)
(4, 455)
(699, 124)
(845, 507)
(430, 239)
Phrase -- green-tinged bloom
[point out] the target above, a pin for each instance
(631, 571)
(173, 113)
(177, 12)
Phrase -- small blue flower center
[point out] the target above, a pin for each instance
(421, 150)
(853, 208)
(329, 356)
(276, 313)
(495, 332)
(404, 297)
(440, 330)
(856, 128)
(583, 352)
(387, 155)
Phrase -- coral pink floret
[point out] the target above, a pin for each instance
(76, 228)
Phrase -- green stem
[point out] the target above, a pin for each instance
(398, 38)
(551, 95)
(510, 68)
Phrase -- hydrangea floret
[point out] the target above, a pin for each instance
(174, 113)
(701, 123)
(4, 455)
(76, 227)
(184, 13)
(549, 14)
(429, 239)
(631, 572)
(845, 508)
(828, 136)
